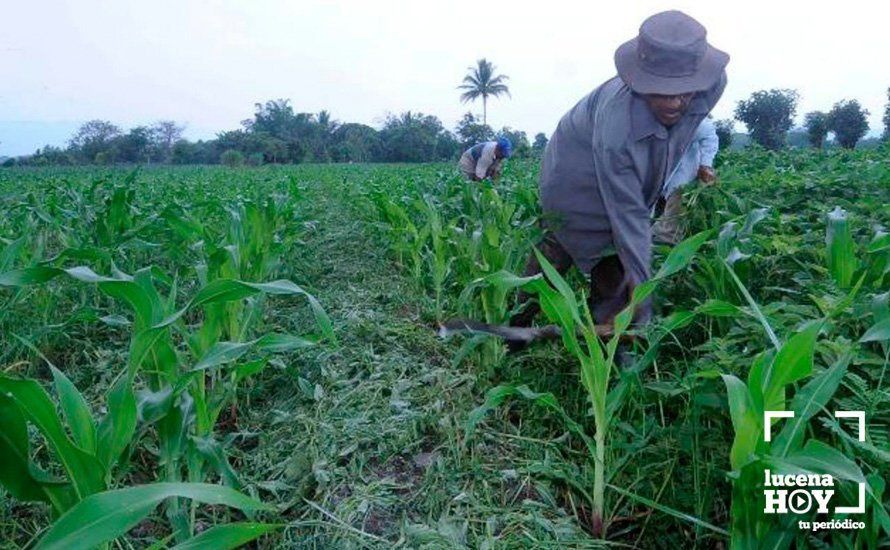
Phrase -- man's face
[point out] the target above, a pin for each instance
(668, 109)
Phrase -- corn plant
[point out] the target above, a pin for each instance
(406, 239)
(776, 372)
(438, 261)
(492, 243)
(177, 399)
(596, 357)
(773, 373)
(90, 457)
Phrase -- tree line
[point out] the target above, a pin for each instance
(277, 134)
(769, 116)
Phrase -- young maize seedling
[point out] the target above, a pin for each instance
(86, 513)
(177, 398)
(595, 356)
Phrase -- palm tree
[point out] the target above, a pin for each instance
(481, 81)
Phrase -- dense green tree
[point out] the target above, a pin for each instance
(231, 158)
(816, 124)
(414, 137)
(353, 142)
(768, 116)
(724, 129)
(447, 146)
(165, 133)
(136, 146)
(482, 82)
(92, 138)
(797, 137)
(199, 152)
(48, 156)
(471, 131)
(849, 122)
(539, 144)
(305, 135)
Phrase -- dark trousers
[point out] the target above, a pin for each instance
(609, 290)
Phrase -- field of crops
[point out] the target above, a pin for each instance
(206, 357)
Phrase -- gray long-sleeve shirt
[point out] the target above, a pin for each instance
(604, 169)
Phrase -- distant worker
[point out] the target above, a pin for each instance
(696, 163)
(606, 164)
(485, 160)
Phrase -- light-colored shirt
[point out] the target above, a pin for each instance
(486, 162)
(701, 152)
(604, 168)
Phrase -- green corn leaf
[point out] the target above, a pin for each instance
(227, 290)
(29, 276)
(222, 352)
(560, 284)
(15, 474)
(668, 510)
(152, 406)
(227, 352)
(103, 517)
(807, 402)
(117, 427)
(322, 320)
(754, 307)
(115, 320)
(280, 343)
(225, 537)
(246, 370)
(744, 422)
(121, 288)
(152, 344)
(879, 243)
(76, 411)
(11, 252)
(497, 395)
(215, 455)
(18, 475)
(643, 290)
(840, 248)
(755, 384)
(136, 297)
(793, 362)
(718, 308)
(879, 332)
(680, 256)
(84, 470)
(877, 484)
(821, 458)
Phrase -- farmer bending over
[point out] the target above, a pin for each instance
(605, 166)
(485, 160)
(697, 163)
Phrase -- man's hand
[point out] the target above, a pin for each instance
(707, 175)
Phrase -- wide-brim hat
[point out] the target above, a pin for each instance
(670, 56)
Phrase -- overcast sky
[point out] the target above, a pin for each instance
(205, 63)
